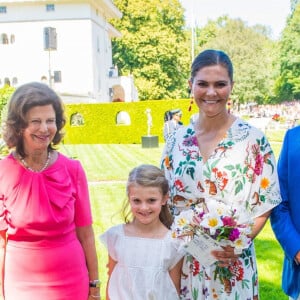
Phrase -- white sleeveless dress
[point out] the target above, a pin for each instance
(143, 264)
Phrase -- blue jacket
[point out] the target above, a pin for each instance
(285, 218)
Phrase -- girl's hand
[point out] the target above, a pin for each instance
(225, 257)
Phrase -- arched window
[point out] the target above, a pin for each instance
(4, 38)
(50, 7)
(76, 119)
(98, 44)
(117, 93)
(3, 10)
(6, 81)
(14, 81)
(123, 118)
(12, 38)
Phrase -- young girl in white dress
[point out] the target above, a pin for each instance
(144, 260)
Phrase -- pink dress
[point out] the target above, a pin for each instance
(44, 259)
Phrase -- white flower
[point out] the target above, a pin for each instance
(241, 243)
(217, 207)
(186, 214)
(211, 222)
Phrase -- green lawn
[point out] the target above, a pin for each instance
(107, 168)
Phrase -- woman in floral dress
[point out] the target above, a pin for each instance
(220, 161)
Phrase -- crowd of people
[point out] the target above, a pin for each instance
(288, 110)
(189, 225)
(273, 116)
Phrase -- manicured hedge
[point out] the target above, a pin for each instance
(100, 121)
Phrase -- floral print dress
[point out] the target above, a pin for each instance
(240, 174)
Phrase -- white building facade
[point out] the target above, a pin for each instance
(66, 44)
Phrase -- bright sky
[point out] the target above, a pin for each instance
(272, 13)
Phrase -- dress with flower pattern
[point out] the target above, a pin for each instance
(241, 174)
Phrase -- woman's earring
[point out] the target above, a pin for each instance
(228, 106)
(191, 103)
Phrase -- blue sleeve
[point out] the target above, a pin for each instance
(281, 221)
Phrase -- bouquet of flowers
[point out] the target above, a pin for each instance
(221, 224)
(217, 220)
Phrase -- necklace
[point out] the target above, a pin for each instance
(24, 163)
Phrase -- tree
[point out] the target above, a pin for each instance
(288, 84)
(294, 4)
(252, 52)
(153, 47)
(5, 93)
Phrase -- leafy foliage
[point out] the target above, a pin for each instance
(100, 126)
(252, 52)
(153, 47)
(5, 94)
(156, 49)
(288, 84)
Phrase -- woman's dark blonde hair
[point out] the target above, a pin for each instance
(211, 57)
(148, 176)
(23, 99)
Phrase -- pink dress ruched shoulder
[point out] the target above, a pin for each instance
(40, 211)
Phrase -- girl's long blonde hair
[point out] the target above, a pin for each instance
(148, 176)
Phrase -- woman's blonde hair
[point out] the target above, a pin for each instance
(148, 176)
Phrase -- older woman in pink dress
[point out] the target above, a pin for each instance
(46, 235)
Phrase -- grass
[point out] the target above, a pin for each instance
(107, 168)
(112, 162)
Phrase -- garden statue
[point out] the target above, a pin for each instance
(149, 120)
